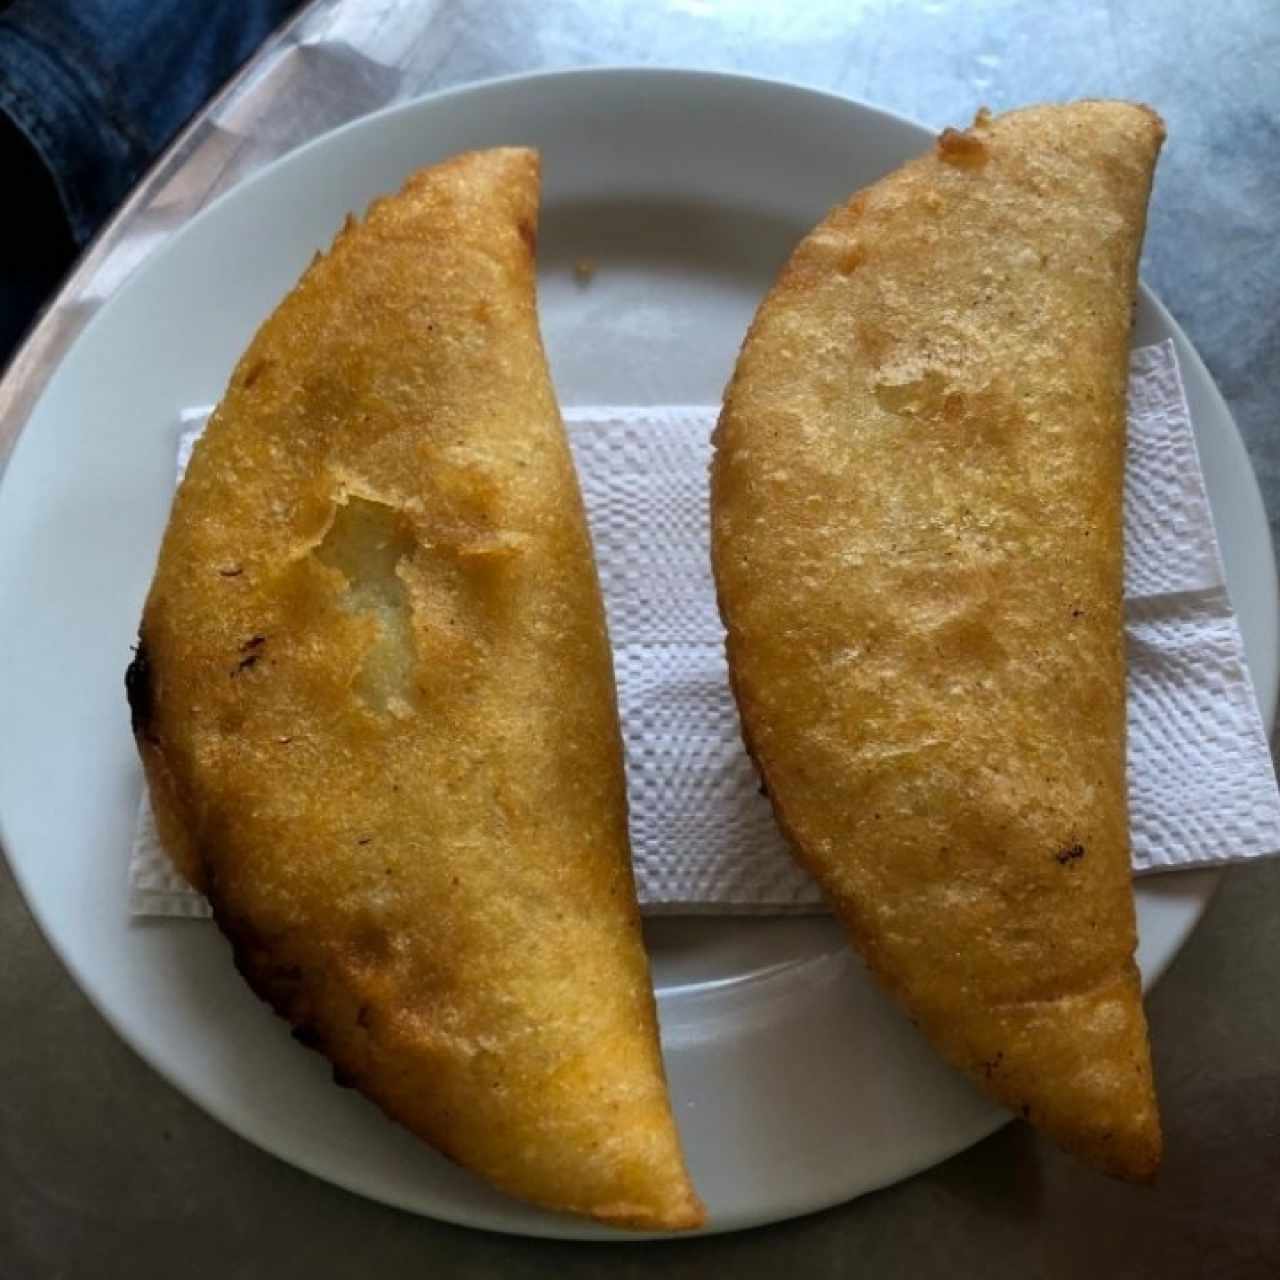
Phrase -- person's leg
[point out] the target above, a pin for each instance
(90, 92)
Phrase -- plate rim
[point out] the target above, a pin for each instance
(557, 1226)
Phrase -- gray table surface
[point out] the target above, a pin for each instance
(107, 1171)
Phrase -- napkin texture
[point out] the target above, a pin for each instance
(1202, 787)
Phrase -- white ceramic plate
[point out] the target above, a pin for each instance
(796, 1085)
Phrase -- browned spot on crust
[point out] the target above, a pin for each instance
(962, 149)
(139, 690)
(874, 341)
(851, 259)
(370, 942)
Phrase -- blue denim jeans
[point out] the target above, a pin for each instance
(90, 92)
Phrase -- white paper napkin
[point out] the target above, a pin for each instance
(1202, 786)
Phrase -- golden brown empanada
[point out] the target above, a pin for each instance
(916, 506)
(375, 702)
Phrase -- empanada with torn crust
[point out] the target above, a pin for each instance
(375, 703)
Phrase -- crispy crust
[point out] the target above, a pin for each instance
(917, 543)
(375, 704)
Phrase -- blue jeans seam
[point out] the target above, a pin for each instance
(37, 90)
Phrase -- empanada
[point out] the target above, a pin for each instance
(375, 702)
(917, 543)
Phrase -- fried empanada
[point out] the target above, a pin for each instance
(374, 699)
(917, 544)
